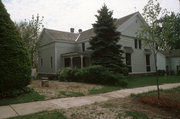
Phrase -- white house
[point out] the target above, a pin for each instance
(169, 61)
(59, 49)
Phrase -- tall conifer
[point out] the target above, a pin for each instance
(105, 48)
(15, 65)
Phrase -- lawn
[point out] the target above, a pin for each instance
(43, 115)
(121, 108)
(126, 108)
(29, 97)
(72, 89)
(170, 93)
(134, 82)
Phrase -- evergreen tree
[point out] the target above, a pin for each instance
(15, 64)
(105, 50)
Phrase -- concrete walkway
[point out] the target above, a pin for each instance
(34, 107)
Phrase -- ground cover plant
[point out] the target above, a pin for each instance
(30, 96)
(43, 115)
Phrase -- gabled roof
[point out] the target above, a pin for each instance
(61, 35)
(171, 53)
(90, 33)
(86, 34)
(123, 19)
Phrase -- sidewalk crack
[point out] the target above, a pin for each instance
(14, 110)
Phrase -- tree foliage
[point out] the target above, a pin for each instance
(149, 32)
(15, 65)
(105, 50)
(168, 31)
(30, 32)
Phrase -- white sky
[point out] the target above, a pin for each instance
(79, 14)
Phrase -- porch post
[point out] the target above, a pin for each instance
(82, 61)
(63, 62)
(71, 62)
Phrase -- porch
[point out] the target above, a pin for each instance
(76, 59)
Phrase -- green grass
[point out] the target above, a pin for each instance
(104, 89)
(70, 94)
(165, 92)
(42, 115)
(108, 105)
(29, 97)
(134, 82)
(136, 115)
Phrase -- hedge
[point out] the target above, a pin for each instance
(93, 74)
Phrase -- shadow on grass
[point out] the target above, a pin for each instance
(43, 115)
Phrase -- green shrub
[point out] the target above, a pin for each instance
(70, 75)
(161, 72)
(93, 74)
(14, 93)
(15, 63)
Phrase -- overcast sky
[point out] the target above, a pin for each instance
(79, 14)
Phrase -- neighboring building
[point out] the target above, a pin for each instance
(60, 49)
(169, 61)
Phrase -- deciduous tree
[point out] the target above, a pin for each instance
(169, 34)
(30, 32)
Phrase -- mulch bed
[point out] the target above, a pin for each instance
(163, 102)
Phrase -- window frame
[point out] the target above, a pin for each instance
(69, 62)
(128, 61)
(135, 43)
(41, 62)
(148, 63)
(51, 62)
(140, 44)
(83, 47)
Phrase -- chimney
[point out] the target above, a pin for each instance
(72, 30)
(80, 30)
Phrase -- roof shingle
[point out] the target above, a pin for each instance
(61, 35)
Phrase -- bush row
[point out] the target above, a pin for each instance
(93, 74)
(15, 93)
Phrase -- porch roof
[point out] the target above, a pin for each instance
(86, 53)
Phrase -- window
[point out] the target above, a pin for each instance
(128, 62)
(135, 43)
(51, 62)
(148, 67)
(67, 62)
(157, 46)
(139, 44)
(41, 62)
(178, 69)
(83, 47)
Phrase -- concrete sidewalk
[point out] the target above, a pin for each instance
(34, 107)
